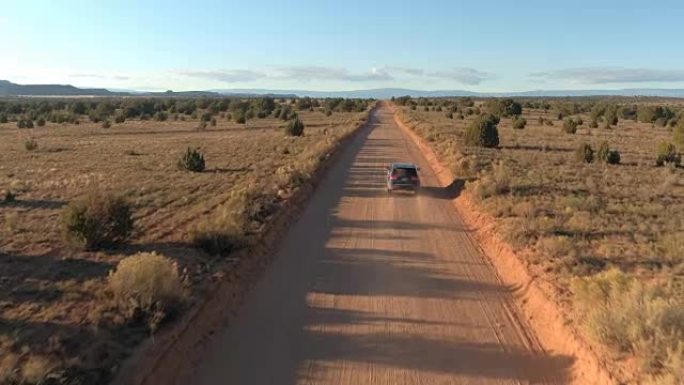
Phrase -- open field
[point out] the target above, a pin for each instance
(609, 237)
(56, 314)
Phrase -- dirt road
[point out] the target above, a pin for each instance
(369, 288)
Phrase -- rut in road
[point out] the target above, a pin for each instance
(371, 288)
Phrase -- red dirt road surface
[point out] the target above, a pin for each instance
(371, 288)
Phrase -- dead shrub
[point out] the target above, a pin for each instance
(147, 286)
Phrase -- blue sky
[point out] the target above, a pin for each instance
(344, 45)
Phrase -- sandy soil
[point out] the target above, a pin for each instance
(371, 288)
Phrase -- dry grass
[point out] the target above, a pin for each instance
(576, 219)
(55, 301)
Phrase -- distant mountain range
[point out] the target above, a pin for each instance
(8, 89)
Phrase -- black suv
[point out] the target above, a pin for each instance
(402, 176)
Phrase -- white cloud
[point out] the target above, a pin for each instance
(605, 75)
(463, 75)
(308, 73)
(226, 76)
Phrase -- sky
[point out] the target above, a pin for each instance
(476, 45)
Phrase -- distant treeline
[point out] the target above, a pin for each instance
(658, 111)
(28, 111)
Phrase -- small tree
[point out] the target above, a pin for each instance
(192, 160)
(584, 153)
(294, 127)
(569, 126)
(483, 131)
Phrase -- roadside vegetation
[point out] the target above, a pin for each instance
(117, 215)
(596, 209)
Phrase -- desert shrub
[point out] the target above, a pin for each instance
(579, 121)
(9, 197)
(192, 160)
(569, 126)
(630, 316)
(593, 124)
(106, 123)
(3, 118)
(519, 123)
(30, 144)
(161, 116)
(147, 283)
(29, 123)
(240, 117)
(328, 112)
(549, 122)
(678, 134)
(449, 115)
(222, 234)
(540, 120)
(497, 182)
(119, 118)
(613, 157)
(40, 122)
(294, 127)
(206, 116)
(21, 123)
(503, 108)
(603, 150)
(584, 153)
(667, 154)
(213, 122)
(98, 220)
(483, 131)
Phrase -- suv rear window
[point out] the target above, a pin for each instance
(404, 172)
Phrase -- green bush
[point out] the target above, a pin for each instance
(519, 123)
(483, 131)
(161, 116)
(667, 154)
(584, 153)
(30, 144)
(98, 220)
(569, 126)
(3, 118)
(147, 284)
(613, 157)
(294, 127)
(40, 122)
(119, 118)
(192, 160)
